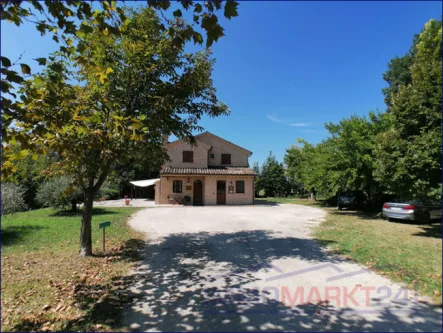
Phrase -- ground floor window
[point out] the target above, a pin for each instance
(177, 186)
(240, 186)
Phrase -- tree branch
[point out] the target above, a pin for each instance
(102, 177)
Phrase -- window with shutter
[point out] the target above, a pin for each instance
(240, 186)
(177, 186)
(188, 156)
(225, 158)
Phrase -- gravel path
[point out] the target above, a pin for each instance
(257, 268)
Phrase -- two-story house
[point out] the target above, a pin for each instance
(213, 172)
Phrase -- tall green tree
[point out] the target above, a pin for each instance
(293, 160)
(343, 161)
(69, 22)
(352, 145)
(272, 178)
(134, 88)
(315, 172)
(408, 155)
(398, 73)
(257, 188)
(396, 152)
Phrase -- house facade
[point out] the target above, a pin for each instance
(213, 172)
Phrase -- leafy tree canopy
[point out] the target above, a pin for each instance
(408, 156)
(112, 101)
(71, 22)
(396, 152)
(272, 178)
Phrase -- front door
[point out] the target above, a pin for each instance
(198, 193)
(221, 192)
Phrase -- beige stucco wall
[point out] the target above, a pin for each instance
(164, 189)
(157, 192)
(175, 152)
(239, 157)
(210, 193)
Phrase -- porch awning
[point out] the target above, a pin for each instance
(144, 183)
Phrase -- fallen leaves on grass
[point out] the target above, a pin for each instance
(73, 289)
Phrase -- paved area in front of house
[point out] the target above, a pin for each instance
(257, 268)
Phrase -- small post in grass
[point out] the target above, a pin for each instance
(103, 226)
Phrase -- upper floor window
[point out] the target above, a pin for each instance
(188, 156)
(225, 158)
(240, 186)
(211, 155)
(177, 186)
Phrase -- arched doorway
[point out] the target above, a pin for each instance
(198, 193)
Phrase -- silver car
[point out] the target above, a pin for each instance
(423, 210)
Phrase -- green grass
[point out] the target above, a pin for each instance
(404, 252)
(298, 201)
(45, 230)
(41, 266)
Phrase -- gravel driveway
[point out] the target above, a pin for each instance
(256, 268)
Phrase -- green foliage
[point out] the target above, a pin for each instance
(121, 174)
(29, 171)
(257, 189)
(109, 193)
(94, 112)
(408, 155)
(13, 198)
(59, 193)
(293, 160)
(352, 152)
(397, 152)
(272, 178)
(70, 23)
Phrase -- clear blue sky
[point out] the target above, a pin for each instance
(286, 68)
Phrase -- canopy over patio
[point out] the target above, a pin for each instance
(138, 185)
(144, 183)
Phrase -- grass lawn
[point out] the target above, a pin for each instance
(305, 202)
(404, 252)
(47, 286)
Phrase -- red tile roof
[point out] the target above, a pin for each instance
(231, 171)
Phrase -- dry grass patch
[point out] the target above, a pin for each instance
(46, 286)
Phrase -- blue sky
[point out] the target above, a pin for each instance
(286, 68)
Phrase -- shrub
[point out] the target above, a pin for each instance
(13, 198)
(109, 193)
(59, 193)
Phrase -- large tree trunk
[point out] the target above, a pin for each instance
(90, 191)
(73, 206)
(85, 233)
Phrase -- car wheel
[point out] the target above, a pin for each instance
(390, 219)
(426, 218)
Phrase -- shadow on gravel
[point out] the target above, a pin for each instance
(176, 293)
